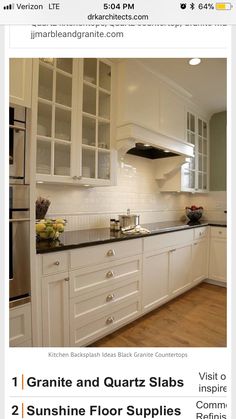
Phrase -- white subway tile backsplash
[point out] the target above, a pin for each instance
(137, 189)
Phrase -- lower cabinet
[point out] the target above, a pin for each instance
(155, 279)
(90, 292)
(180, 269)
(55, 310)
(88, 300)
(218, 254)
(20, 325)
(199, 260)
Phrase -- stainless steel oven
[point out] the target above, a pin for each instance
(19, 243)
(19, 212)
(17, 144)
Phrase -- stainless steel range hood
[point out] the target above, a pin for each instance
(129, 135)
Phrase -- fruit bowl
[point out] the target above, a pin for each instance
(194, 213)
(49, 229)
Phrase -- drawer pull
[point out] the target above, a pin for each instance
(57, 263)
(109, 320)
(111, 252)
(66, 279)
(110, 297)
(110, 274)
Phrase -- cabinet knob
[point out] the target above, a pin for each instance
(220, 232)
(75, 177)
(57, 263)
(110, 320)
(172, 250)
(110, 297)
(110, 274)
(111, 252)
(66, 279)
(200, 234)
(195, 244)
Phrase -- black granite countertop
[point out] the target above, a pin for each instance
(92, 237)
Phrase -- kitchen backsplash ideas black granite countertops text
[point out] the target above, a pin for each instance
(92, 237)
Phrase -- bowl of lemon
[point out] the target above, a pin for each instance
(49, 229)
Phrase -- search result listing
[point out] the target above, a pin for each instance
(120, 383)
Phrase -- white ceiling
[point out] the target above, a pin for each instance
(206, 82)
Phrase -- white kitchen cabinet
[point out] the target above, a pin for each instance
(87, 295)
(180, 269)
(20, 81)
(218, 254)
(195, 173)
(155, 279)
(200, 255)
(73, 121)
(166, 267)
(20, 325)
(55, 310)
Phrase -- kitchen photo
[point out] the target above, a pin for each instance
(117, 202)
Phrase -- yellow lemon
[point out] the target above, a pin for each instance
(40, 227)
(60, 221)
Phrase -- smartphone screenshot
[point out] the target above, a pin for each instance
(117, 244)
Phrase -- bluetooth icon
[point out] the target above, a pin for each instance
(192, 6)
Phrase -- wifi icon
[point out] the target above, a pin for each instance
(9, 6)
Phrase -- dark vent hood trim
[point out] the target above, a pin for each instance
(150, 152)
(130, 134)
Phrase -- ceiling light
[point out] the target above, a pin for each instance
(194, 61)
(146, 145)
(166, 151)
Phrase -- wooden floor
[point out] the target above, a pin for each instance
(195, 319)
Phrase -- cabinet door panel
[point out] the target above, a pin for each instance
(199, 260)
(55, 310)
(180, 269)
(155, 280)
(20, 81)
(218, 259)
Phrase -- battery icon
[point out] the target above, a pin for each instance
(224, 6)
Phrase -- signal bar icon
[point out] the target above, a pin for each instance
(9, 6)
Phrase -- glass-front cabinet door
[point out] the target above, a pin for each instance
(54, 117)
(195, 171)
(96, 119)
(73, 124)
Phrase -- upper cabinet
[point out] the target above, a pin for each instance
(73, 124)
(195, 172)
(20, 81)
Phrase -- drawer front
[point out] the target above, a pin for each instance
(162, 241)
(55, 262)
(200, 232)
(106, 297)
(103, 253)
(87, 279)
(220, 232)
(87, 329)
